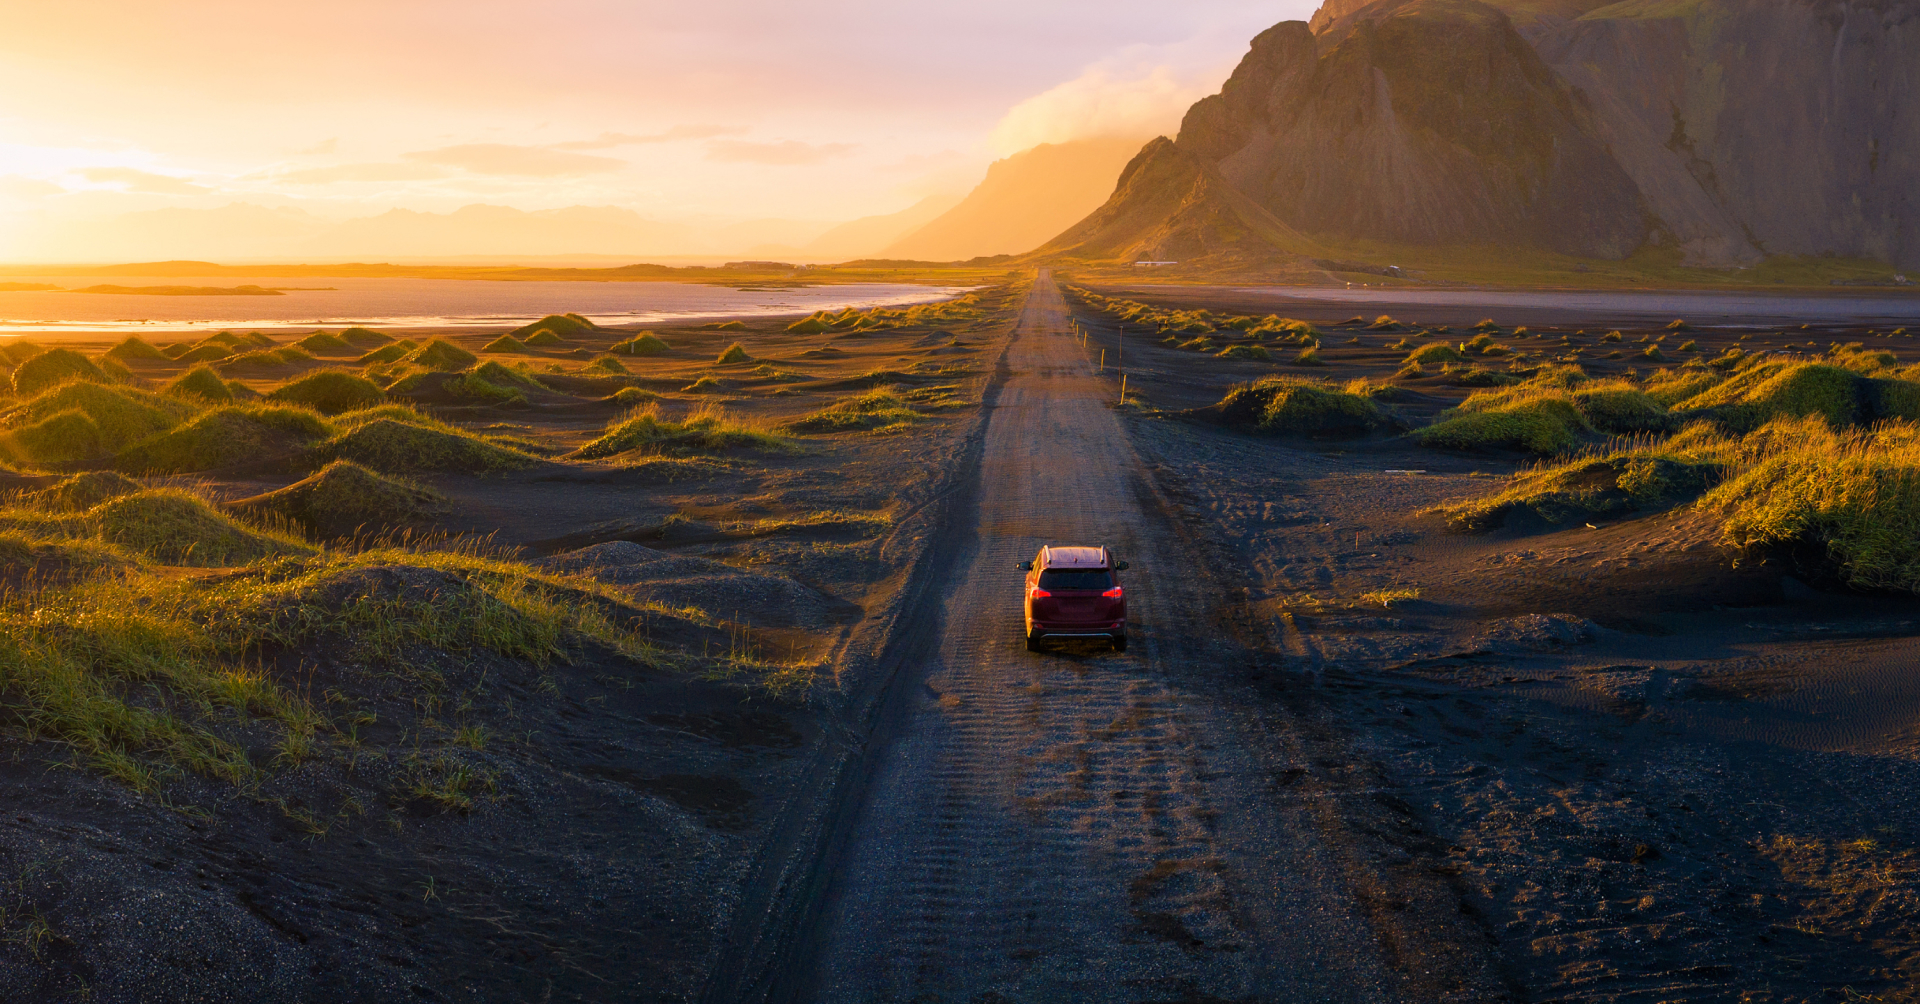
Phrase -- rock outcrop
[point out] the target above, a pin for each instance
(1730, 129)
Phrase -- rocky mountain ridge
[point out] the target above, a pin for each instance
(1729, 130)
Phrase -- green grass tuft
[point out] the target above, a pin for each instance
(1539, 421)
(1295, 406)
(178, 528)
(121, 415)
(567, 325)
(59, 438)
(1768, 389)
(441, 356)
(1842, 505)
(544, 337)
(389, 353)
(1622, 482)
(266, 359)
(83, 491)
(471, 386)
(225, 436)
(54, 366)
(605, 364)
(19, 351)
(707, 430)
(505, 344)
(881, 409)
(646, 343)
(133, 348)
(364, 338)
(200, 383)
(329, 392)
(344, 499)
(735, 353)
(507, 376)
(1256, 352)
(1437, 352)
(204, 354)
(321, 343)
(393, 445)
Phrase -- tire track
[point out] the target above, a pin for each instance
(1077, 824)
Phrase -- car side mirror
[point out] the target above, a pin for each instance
(1119, 566)
(1026, 566)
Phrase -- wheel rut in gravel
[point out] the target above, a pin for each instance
(1076, 824)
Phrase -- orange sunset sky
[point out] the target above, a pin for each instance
(710, 113)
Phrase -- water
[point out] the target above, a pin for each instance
(420, 303)
(1706, 306)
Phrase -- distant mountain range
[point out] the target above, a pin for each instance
(1725, 130)
(1025, 200)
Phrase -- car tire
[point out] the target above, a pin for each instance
(1033, 642)
(1120, 642)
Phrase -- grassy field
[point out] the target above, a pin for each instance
(387, 608)
(1802, 449)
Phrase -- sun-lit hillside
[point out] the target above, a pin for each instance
(1025, 200)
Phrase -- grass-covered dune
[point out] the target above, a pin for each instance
(559, 327)
(1842, 505)
(1811, 457)
(344, 499)
(1296, 406)
(1165, 321)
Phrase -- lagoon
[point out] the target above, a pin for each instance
(436, 303)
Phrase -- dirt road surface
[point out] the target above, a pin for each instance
(1080, 824)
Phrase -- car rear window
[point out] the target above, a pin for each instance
(1069, 578)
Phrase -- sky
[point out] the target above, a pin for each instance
(712, 111)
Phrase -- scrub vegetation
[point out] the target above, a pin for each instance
(1296, 406)
(328, 594)
(1800, 453)
(707, 429)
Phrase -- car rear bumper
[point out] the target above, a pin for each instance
(1081, 629)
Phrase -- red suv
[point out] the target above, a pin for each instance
(1073, 592)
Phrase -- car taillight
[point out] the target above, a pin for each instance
(1112, 594)
(1038, 593)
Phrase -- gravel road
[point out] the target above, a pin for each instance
(1079, 824)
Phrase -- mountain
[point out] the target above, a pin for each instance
(1728, 130)
(1024, 200)
(867, 235)
(1169, 205)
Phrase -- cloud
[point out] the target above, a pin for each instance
(1121, 101)
(787, 153)
(516, 161)
(20, 187)
(325, 146)
(607, 140)
(359, 172)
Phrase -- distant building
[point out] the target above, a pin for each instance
(760, 266)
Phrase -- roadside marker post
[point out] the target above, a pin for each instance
(1123, 389)
(1103, 360)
